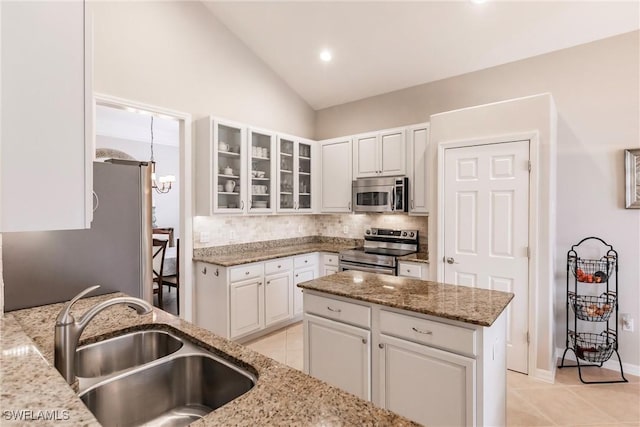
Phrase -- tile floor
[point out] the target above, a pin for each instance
(530, 402)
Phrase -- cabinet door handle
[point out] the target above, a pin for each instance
(364, 340)
(422, 332)
(381, 345)
(349, 207)
(246, 273)
(335, 310)
(241, 204)
(412, 205)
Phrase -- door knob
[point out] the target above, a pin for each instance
(450, 260)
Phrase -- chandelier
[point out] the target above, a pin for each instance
(163, 184)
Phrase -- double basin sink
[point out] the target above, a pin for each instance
(153, 377)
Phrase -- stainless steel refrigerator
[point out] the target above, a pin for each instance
(53, 266)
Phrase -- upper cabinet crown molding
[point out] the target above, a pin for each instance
(381, 153)
(47, 116)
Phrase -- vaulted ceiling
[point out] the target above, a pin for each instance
(380, 47)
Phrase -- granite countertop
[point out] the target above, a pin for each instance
(421, 257)
(471, 305)
(255, 255)
(281, 396)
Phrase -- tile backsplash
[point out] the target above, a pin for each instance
(226, 230)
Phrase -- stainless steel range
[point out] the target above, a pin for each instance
(381, 250)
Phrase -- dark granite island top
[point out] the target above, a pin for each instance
(471, 305)
(281, 396)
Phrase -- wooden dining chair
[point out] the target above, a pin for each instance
(174, 281)
(159, 249)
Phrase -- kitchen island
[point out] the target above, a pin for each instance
(433, 352)
(31, 387)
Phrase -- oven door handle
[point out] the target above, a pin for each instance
(359, 267)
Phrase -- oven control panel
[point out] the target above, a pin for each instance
(394, 234)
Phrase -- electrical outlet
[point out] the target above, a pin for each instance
(345, 229)
(204, 237)
(627, 322)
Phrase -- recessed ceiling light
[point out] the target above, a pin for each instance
(325, 55)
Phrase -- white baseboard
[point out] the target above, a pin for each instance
(609, 364)
(545, 375)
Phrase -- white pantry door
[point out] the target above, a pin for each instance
(486, 223)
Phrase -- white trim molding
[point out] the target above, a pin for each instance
(531, 118)
(186, 194)
(611, 364)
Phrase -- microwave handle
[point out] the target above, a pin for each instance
(393, 199)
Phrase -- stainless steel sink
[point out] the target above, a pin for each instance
(174, 390)
(124, 352)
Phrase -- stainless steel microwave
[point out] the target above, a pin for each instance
(389, 194)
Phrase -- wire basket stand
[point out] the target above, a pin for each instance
(592, 298)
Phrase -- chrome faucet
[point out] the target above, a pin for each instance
(68, 331)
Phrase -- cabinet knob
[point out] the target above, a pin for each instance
(279, 266)
(381, 345)
(246, 273)
(364, 340)
(269, 282)
(306, 261)
(296, 275)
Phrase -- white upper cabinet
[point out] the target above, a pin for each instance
(295, 169)
(221, 160)
(417, 162)
(262, 157)
(46, 116)
(380, 153)
(336, 169)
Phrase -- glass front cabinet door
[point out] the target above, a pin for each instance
(228, 148)
(262, 172)
(294, 175)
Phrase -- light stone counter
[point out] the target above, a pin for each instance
(281, 396)
(228, 256)
(471, 305)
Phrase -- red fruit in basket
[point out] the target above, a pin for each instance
(589, 278)
(579, 273)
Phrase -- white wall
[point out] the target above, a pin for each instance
(177, 55)
(596, 89)
(167, 163)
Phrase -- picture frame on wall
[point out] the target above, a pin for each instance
(632, 178)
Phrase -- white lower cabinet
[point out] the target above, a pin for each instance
(424, 384)
(247, 307)
(417, 270)
(434, 371)
(329, 264)
(299, 277)
(277, 298)
(324, 339)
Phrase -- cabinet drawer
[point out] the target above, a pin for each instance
(436, 334)
(330, 259)
(278, 265)
(343, 311)
(245, 272)
(305, 260)
(409, 270)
